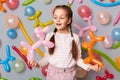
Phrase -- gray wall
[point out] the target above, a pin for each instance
(46, 15)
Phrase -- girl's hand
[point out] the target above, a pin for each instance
(95, 67)
(34, 64)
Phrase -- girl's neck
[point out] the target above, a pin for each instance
(63, 31)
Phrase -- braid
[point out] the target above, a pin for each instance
(51, 50)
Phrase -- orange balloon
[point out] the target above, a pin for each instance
(117, 62)
(23, 50)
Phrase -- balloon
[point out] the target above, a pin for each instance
(89, 45)
(103, 17)
(23, 50)
(80, 73)
(116, 45)
(106, 4)
(28, 38)
(117, 18)
(17, 66)
(46, 1)
(12, 33)
(108, 42)
(107, 76)
(1, 8)
(41, 33)
(107, 58)
(35, 78)
(82, 30)
(29, 11)
(38, 22)
(8, 58)
(27, 2)
(84, 11)
(117, 62)
(116, 34)
(3, 78)
(86, 37)
(11, 21)
(12, 4)
(22, 56)
(44, 70)
(71, 1)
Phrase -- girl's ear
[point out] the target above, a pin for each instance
(69, 21)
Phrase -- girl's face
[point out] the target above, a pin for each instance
(61, 20)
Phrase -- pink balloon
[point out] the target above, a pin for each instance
(84, 11)
(108, 42)
(103, 17)
(11, 21)
(12, 4)
(86, 37)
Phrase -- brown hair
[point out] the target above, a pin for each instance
(74, 47)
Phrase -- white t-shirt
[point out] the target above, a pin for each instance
(62, 56)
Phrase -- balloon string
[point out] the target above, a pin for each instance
(28, 38)
(107, 58)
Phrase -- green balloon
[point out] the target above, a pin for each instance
(46, 1)
(17, 66)
(34, 78)
(3, 79)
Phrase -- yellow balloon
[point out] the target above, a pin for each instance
(23, 50)
(117, 62)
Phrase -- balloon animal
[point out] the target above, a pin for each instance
(90, 26)
(8, 58)
(41, 35)
(38, 22)
(1, 8)
(27, 2)
(89, 45)
(107, 76)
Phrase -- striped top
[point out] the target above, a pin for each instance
(62, 56)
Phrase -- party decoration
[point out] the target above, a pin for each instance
(84, 11)
(83, 30)
(11, 21)
(8, 58)
(35, 78)
(3, 78)
(22, 56)
(117, 18)
(28, 38)
(17, 66)
(27, 2)
(107, 76)
(107, 58)
(23, 50)
(103, 17)
(38, 22)
(108, 42)
(106, 4)
(29, 11)
(12, 4)
(71, 1)
(89, 45)
(80, 73)
(116, 45)
(12, 33)
(41, 34)
(116, 34)
(117, 62)
(46, 1)
(44, 70)
(1, 7)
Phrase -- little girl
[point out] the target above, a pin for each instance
(66, 53)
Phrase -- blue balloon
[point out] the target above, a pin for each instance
(29, 11)
(12, 33)
(116, 34)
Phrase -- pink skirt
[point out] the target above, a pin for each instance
(55, 73)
